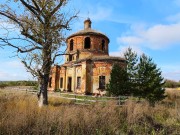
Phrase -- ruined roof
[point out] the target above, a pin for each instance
(102, 58)
(94, 58)
(107, 58)
(68, 64)
(88, 31)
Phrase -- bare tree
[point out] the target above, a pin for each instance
(41, 24)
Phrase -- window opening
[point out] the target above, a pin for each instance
(78, 82)
(101, 82)
(103, 45)
(61, 82)
(71, 44)
(87, 43)
(50, 82)
(70, 57)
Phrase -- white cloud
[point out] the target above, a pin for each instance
(100, 13)
(173, 75)
(96, 12)
(174, 18)
(14, 64)
(117, 53)
(10, 76)
(14, 70)
(132, 40)
(156, 37)
(160, 36)
(170, 71)
(122, 49)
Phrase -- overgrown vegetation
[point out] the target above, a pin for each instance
(141, 78)
(172, 84)
(20, 115)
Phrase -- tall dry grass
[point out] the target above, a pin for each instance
(173, 97)
(19, 114)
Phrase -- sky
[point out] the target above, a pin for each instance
(147, 26)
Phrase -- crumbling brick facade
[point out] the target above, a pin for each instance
(87, 66)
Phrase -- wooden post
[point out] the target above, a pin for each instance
(119, 103)
(75, 98)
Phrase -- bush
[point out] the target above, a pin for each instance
(3, 85)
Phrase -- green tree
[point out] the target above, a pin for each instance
(131, 59)
(118, 81)
(41, 25)
(150, 82)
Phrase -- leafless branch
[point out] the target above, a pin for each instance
(19, 49)
(11, 17)
(57, 7)
(66, 25)
(33, 72)
(31, 8)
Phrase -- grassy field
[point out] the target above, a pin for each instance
(19, 114)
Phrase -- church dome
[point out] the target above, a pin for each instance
(88, 31)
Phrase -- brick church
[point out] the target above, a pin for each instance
(87, 66)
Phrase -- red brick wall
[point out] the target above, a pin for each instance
(95, 49)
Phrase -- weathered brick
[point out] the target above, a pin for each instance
(88, 64)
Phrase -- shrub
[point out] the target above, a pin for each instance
(3, 85)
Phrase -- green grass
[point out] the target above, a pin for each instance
(85, 97)
(80, 99)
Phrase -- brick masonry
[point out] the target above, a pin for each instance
(83, 66)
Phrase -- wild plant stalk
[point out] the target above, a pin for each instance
(20, 115)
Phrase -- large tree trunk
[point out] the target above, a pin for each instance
(43, 93)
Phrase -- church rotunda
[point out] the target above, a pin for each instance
(87, 65)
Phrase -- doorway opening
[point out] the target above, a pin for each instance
(69, 84)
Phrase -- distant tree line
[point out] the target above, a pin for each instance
(17, 83)
(171, 84)
(140, 78)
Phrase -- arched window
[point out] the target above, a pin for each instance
(71, 44)
(87, 43)
(102, 82)
(103, 45)
(70, 57)
(50, 82)
(61, 82)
